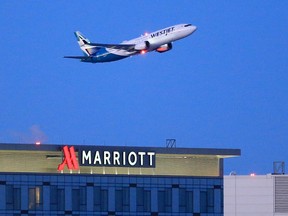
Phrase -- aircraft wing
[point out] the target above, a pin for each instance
(128, 47)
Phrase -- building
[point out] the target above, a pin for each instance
(50, 180)
(265, 195)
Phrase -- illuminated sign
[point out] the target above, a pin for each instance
(108, 156)
(69, 159)
(117, 157)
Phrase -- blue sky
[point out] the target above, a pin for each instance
(225, 86)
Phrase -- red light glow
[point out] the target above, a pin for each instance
(143, 52)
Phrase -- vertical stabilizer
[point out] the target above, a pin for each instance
(84, 44)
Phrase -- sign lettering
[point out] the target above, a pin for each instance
(117, 158)
(164, 31)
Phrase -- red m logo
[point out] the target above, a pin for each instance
(69, 159)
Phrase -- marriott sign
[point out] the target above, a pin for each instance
(108, 156)
(116, 158)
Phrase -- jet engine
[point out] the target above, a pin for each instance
(142, 46)
(164, 48)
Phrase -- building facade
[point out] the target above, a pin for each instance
(263, 195)
(101, 180)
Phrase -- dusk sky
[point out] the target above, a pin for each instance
(224, 86)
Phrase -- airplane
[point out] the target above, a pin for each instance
(160, 41)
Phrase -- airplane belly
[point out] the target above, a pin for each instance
(109, 54)
(155, 43)
(119, 52)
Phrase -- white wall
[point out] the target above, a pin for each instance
(249, 195)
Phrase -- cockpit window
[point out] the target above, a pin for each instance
(187, 25)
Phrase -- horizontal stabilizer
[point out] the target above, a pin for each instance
(78, 57)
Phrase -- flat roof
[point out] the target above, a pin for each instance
(221, 153)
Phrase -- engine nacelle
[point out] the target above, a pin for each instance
(164, 48)
(142, 46)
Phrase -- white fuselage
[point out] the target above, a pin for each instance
(156, 39)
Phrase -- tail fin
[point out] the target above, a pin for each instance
(84, 44)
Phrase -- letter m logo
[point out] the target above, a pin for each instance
(69, 159)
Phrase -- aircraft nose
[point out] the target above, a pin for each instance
(193, 28)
